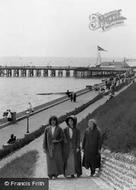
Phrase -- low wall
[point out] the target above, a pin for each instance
(119, 170)
(39, 108)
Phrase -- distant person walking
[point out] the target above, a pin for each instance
(9, 115)
(91, 147)
(71, 96)
(71, 149)
(30, 107)
(74, 97)
(12, 139)
(68, 93)
(52, 145)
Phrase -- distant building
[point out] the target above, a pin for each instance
(115, 64)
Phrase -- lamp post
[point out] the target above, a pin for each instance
(27, 118)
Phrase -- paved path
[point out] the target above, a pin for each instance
(19, 128)
(85, 182)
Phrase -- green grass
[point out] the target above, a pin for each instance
(21, 167)
(117, 121)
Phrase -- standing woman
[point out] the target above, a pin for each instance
(91, 147)
(52, 145)
(71, 149)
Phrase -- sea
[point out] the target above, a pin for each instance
(15, 93)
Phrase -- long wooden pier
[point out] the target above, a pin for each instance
(56, 71)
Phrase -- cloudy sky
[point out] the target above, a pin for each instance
(60, 28)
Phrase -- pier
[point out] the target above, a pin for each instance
(56, 71)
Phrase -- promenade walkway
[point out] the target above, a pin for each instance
(35, 121)
(85, 182)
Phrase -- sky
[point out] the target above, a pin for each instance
(60, 28)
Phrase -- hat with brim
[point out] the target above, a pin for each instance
(93, 121)
(73, 118)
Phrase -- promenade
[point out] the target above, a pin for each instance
(42, 117)
(19, 129)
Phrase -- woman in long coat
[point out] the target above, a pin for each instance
(72, 154)
(91, 147)
(52, 145)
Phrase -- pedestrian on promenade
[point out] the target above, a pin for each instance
(68, 93)
(74, 97)
(5, 113)
(52, 145)
(9, 115)
(12, 139)
(91, 147)
(112, 89)
(71, 96)
(30, 107)
(71, 149)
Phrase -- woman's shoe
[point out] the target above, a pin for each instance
(50, 177)
(55, 176)
(78, 175)
(72, 176)
(92, 173)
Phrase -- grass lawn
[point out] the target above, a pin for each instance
(21, 167)
(117, 120)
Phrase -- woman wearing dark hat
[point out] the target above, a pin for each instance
(91, 147)
(52, 145)
(71, 149)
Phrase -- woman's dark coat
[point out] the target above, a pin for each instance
(91, 146)
(53, 146)
(75, 144)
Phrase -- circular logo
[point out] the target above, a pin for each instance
(6, 183)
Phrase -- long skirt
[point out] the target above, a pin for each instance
(91, 159)
(78, 163)
(70, 165)
(55, 164)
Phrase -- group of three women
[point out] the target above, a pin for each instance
(62, 148)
